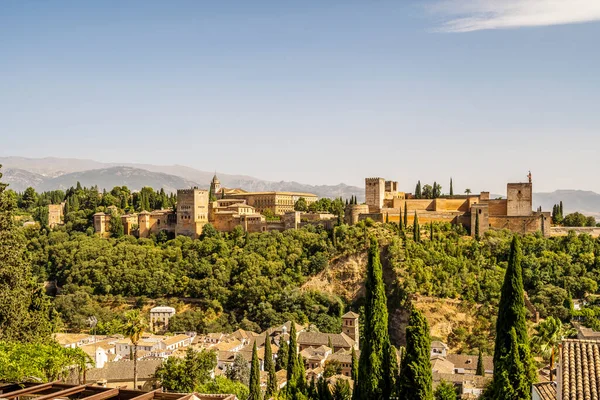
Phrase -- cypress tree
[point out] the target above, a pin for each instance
(296, 379)
(387, 218)
(323, 389)
(405, 215)
(415, 374)
(354, 374)
(400, 226)
(418, 190)
(480, 367)
(477, 226)
(431, 231)
(372, 369)
(282, 354)
(451, 188)
(391, 371)
(514, 371)
(416, 229)
(560, 208)
(255, 376)
(270, 368)
(434, 191)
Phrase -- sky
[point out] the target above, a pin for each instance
(314, 91)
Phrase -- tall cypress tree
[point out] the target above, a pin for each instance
(561, 209)
(405, 215)
(354, 373)
(511, 352)
(451, 188)
(371, 383)
(282, 355)
(296, 381)
(480, 367)
(477, 226)
(270, 368)
(431, 231)
(418, 190)
(255, 376)
(434, 191)
(416, 229)
(415, 372)
(400, 225)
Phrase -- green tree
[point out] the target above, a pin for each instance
(296, 379)
(431, 236)
(418, 193)
(375, 343)
(282, 355)
(400, 225)
(301, 205)
(514, 371)
(477, 237)
(480, 366)
(427, 192)
(116, 227)
(222, 385)
(451, 188)
(183, 375)
(238, 370)
(467, 191)
(415, 371)
(24, 308)
(549, 334)
(29, 199)
(341, 390)
(270, 368)
(255, 376)
(134, 327)
(445, 391)
(416, 229)
(354, 374)
(405, 215)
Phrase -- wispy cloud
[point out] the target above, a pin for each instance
(474, 15)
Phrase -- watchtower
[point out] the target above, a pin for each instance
(374, 193)
(350, 326)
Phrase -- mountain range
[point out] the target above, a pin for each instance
(61, 173)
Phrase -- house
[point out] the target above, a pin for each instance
(120, 374)
(159, 318)
(74, 340)
(339, 341)
(438, 348)
(578, 370)
(315, 356)
(344, 357)
(467, 364)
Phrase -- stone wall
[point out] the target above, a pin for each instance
(564, 230)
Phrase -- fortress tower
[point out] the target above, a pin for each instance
(192, 212)
(374, 193)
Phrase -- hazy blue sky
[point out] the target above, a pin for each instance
(317, 91)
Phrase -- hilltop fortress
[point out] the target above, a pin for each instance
(385, 203)
(226, 209)
(221, 207)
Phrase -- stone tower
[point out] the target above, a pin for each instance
(192, 212)
(215, 187)
(374, 193)
(350, 326)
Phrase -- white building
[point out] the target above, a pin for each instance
(159, 318)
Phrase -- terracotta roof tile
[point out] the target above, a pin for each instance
(580, 370)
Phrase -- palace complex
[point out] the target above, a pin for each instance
(223, 208)
(385, 203)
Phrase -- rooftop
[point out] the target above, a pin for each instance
(579, 369)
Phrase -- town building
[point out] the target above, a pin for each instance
(55, 214)
(159, 318)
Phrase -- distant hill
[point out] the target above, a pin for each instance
(585, 202)
(59, 173)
